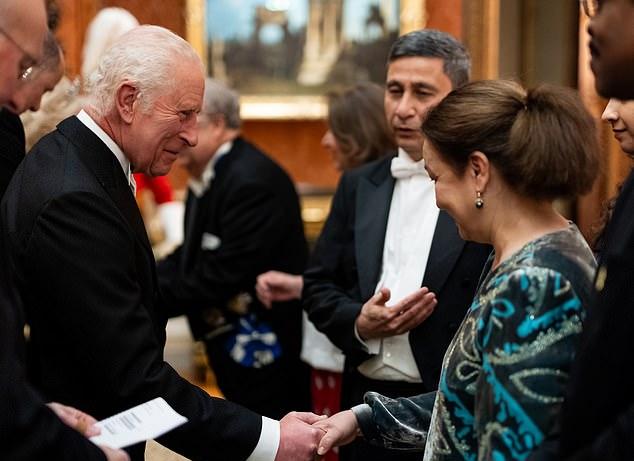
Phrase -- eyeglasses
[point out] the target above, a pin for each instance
(27, 63)
(590, 7)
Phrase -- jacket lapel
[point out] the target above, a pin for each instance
(444, 253)
(374, 196)
(96, 156)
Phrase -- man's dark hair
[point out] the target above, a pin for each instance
(430, 43)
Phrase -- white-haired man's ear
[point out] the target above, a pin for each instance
(125, 100)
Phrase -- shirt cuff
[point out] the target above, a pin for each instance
(269, 441)
(371, 346)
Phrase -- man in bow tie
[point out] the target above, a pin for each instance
(391, 279)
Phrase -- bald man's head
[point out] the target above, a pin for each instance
(23, 28)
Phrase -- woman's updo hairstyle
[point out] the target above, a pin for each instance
(542, 141)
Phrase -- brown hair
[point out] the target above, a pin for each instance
(543, 141)
(357, 120)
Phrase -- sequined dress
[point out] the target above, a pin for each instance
(505, 371)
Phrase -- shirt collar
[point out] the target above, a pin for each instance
(200, 186)
(107, 140)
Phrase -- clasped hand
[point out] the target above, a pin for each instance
(307, 436)
(377, 320)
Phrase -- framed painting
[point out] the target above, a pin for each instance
(283, 56)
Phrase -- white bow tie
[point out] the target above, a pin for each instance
(402, 168)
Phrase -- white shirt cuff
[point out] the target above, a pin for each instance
(372, 346)
(269, 441)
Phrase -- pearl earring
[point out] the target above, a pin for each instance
(479, 203)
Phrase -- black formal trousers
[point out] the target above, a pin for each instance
(346, 267)
(84, 269)
(247, 222)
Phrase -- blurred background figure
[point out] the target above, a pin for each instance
(242, 217)
(106, 27)
(620, 115)
(357, 133)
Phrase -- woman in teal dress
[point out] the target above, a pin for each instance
(500, 156)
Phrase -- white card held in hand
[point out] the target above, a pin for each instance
(143, 422)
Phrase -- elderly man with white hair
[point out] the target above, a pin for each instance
(85, 269)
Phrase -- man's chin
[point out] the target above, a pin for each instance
(413, 149)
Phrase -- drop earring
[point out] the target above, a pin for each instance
(479, 203)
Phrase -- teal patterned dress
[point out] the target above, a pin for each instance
(505, 371)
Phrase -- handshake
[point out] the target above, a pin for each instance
(303, 436)
(307, 436)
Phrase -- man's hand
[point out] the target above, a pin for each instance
(376, 320)
(85, 425)
(273, 286)
(78, 420)
(341, 429)
(298, 438)
(114, 455)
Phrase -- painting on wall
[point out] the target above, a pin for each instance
(301, 46)
(296, 50)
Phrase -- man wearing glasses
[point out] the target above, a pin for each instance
(21, 41)
(598, 415)
(28, 429)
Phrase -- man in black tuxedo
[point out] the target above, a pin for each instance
(84, 267)
(598, 413)
(242, 218)
(28, 428)
(385, 238)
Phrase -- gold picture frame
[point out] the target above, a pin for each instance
(262, 107)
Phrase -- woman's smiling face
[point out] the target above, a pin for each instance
(620, 114)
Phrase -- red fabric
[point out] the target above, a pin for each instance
(160, 187)
(325, 389)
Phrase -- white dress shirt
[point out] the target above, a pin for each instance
(269, 440)
(114, 148)
(200, 186)
(410, 231)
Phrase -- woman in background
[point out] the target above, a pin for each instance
(499, 156)
(358, 133)
(620, 115)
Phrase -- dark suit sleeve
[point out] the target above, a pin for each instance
(396, 424)
(87, 268)
(28, 429)
(252, 223)
(330, 283)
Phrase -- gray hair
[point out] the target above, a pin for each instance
(430, 43)
(144, 57)
(222, 100)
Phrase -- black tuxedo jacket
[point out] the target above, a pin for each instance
(12, 146)
(346, 267)
(598, 412)
(85, 270)
(252, 211)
